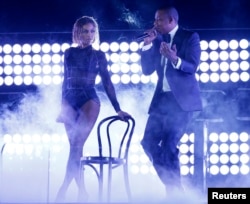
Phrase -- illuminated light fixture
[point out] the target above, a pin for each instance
(223, 137)
(56, 69)
(26, 48)
(27, 59)
(36, 59)
(135, 68)
(233, 44)
(224, 169)
(204, 77)
(104, 47)
(8, 70)
(115, 68)
(46, 48)
(125, 78)
(124, 46)
(244, 55)
(204, 56)
(223, 44)
(134, 46)
(17, 59)
(47, 80)
(65, 46)
(145, 79)
(224, 159)
(18, 80)
(17, 70)
(183, 148)
(234, 170)
(134, 169)
(27, 80)
(46, 58)
(135, 79)
(114, 47)
(17, 48)
(244, 43)
(7, 59)
(57, 80)
(37, 69)
(224, 66)
(234, 66)
(234, 55)
(125, 68)
(115, 78)
(243, 136)
(37, 80)
(124, 57)
(55, 48)
(134, 57)
(224, 55)
(46, 69)
(8, 81)
(114, 57)
(214, 56)
(224, 148)
(56, 58)
(213, 45)
(244, 65)
(204, 67)
(7, 48)
(27, 69)
(214, 66)
(234, 77)
(203, 45)
(154, 78)
(36, 48)
(184, 159)
(244, 76)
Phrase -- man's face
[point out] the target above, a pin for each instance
(162, 23)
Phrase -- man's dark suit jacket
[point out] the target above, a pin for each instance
(182, 82)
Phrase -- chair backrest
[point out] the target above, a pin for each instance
(116, 135)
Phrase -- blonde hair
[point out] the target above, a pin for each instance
(78, 29)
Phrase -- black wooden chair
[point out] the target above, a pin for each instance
(114, 138)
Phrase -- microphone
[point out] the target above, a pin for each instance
(141, 37)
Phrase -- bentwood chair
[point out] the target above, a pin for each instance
(114, 138)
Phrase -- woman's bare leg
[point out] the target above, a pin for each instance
(78, 133)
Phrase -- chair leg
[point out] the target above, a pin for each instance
(100, 180)
(109, 181)
(82, 193)
(126, 180)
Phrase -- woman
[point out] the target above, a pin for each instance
(80, 103)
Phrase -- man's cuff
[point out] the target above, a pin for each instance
(177, 64)
(146, 47)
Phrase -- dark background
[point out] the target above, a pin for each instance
(59, 15)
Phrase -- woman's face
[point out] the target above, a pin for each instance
(87, 35)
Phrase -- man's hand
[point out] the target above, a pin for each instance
(169, 52)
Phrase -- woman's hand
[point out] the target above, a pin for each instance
(123, 115)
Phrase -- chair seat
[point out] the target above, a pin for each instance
(103, 160)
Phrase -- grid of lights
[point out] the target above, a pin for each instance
(228, 153)
(221, 61)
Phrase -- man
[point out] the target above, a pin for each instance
(176, 95)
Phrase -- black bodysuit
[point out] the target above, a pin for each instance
(81, 66)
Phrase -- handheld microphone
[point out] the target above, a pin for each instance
(141, 37)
